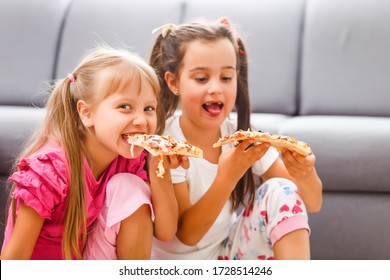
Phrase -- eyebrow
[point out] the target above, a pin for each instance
(206, 68)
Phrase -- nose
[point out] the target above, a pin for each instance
(215, 87)
(140, 120)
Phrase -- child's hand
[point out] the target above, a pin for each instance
(300, 167)
(235, 162)
(174, 161)
(170, 162)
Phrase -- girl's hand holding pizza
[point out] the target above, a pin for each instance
(236, 161)
(299, 166)
(169, 161)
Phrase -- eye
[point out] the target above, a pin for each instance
(227, 78)
(126, 107)
(201, 79)
(150, 109)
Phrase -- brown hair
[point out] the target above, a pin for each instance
(167, 55)
(62, 123)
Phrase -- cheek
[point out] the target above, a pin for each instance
(190, 91)
(232, 92)
(191, 97)
(152, 124)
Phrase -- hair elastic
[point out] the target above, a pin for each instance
(225, 22)
(165, 29)
(72, 78)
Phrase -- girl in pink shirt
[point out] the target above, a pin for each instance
(59, 185)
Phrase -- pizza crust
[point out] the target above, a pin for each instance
(277, 141)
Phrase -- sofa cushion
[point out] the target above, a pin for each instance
(351, 226)
(5, 187)
(352, 153)
(346, 58)
(268, 122)
(17, 124)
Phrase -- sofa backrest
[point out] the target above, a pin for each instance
(29, 40)
(121, 23)
(346, 58)
(272, 32)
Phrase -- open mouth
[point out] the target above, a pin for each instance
(213, 108)
(126, 135)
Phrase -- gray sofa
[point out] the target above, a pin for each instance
(319, 70)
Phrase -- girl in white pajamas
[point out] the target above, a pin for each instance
(203, 67)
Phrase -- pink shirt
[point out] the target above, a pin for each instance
(125, 193)
(42, 183)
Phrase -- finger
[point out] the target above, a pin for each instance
(184, 162)
(154, 159)
(256, 152)
(288, 160)
(294, 167)
(305, 161)
(243, 145)
(288, 156)
(300, 158)
(173, 161)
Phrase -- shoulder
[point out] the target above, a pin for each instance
(229, 125)
(172, 127)
(42, 179)
(137, 166)
(48, 161)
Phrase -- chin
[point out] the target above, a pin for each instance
(216, 121)
(136, 153)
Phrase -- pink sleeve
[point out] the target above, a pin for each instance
(41, 182)
(289, 225)
(125, 194)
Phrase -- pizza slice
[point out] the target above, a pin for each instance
(277, 141)
(158, 145)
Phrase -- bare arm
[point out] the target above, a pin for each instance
(163, 197)
(134, 241)
(26, 230)
(193, 222)
(293, 246)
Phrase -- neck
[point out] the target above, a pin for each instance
(199, 136)
(98, 159)
(203, 138)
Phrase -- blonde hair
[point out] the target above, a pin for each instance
(63, 123)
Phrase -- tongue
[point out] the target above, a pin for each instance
(213, 109)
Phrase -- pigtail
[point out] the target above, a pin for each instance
(243, 107)
(161, 60)
(76, 209)
(62, 110)
(155, 62)
(244, 193)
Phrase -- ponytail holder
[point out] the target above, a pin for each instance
(165, 29)
(72, 79)
(225, 22)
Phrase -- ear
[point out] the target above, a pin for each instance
(85, 113)
(172, 82)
